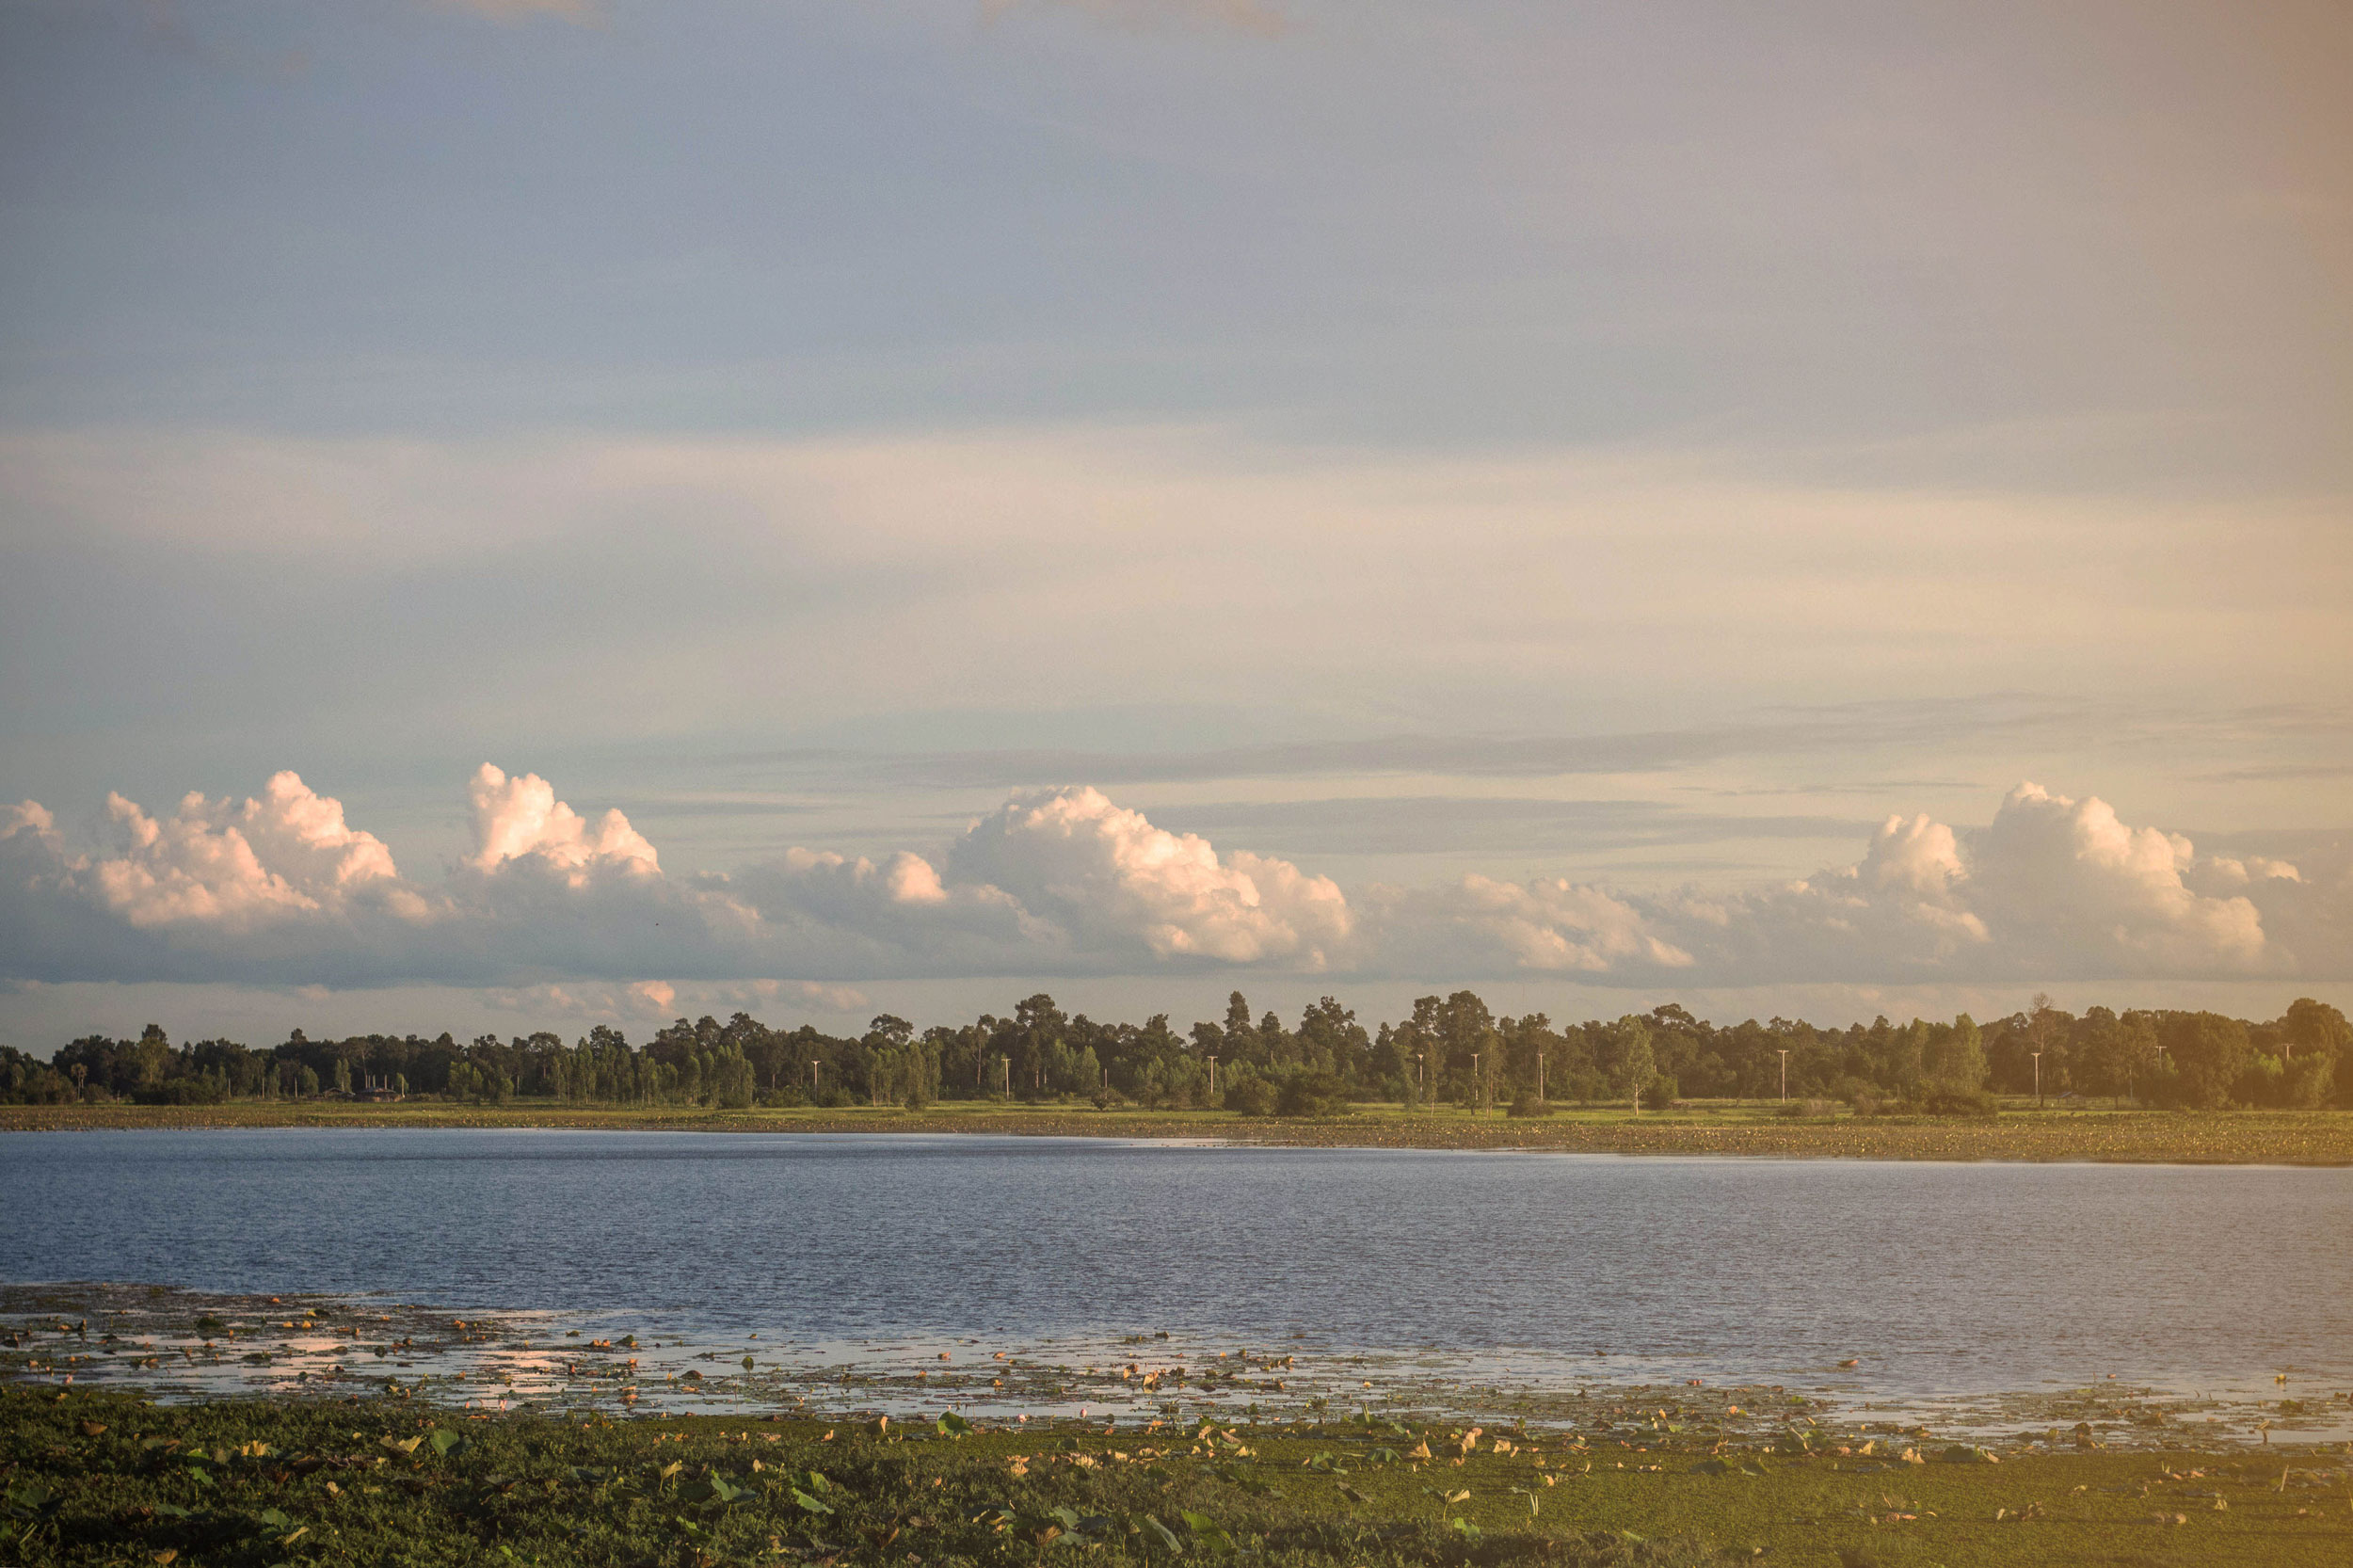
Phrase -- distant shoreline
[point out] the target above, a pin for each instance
(2311, 1138)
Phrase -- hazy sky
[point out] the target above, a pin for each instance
(1805, 508)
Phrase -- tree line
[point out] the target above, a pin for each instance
(1449, 1050)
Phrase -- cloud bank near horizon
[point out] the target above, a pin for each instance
(281, 889)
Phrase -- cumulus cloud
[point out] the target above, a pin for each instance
(574, 912)
(515, 817)
(1110, 878)
(2054, 887)
(2056, 870)
(282, 855)
(1547, 925)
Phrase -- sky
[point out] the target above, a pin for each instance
(521, 514)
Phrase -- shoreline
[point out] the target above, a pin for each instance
(2276, 1138)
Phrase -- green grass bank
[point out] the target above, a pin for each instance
(2020, 1132)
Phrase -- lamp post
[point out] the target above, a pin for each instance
(2037, 1077)
(1421, 1075)
(1540, 1076)
(1213, 1076)
(1479, 1098)
(1785, 1077)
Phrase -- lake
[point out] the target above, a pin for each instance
(1948, 1283)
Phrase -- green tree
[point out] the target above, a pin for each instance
(1633, 1064)
(2206, 1054)
(1955, 1055)
(1239, 1033)
(2314, 1027)
(2103, 1063)
(732, 1079)
(2317, 1031)
(152, 1057)
(1330, 1040)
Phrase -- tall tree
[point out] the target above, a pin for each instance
(1632, 1062)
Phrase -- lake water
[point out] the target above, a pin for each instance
(1949, 1282)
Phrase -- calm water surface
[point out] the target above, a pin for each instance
(1945, 1278)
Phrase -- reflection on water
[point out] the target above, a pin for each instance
(1493, 1284)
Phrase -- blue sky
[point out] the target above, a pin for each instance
(1576, 482)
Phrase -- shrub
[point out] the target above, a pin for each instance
(1959, 1102)
(1526, 1104)
(1252, 1096)
(1312, 1095)
(1659, 1094)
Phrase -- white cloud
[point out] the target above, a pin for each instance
(2052, 871)
(1110, 878)
(284, 853)
(576, 915)
(1478, 924)
(520, 816)
(2054, 887)
(1918, 855)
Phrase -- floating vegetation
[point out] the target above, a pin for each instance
(184, 1346)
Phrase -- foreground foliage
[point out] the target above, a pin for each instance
(112, 1480)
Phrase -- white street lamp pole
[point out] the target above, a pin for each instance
(1785, 1077)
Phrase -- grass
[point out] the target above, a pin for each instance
(2021, 1133)
(111, 1479)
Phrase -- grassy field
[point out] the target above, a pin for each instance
(2020, 1132)
(109, 1479)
